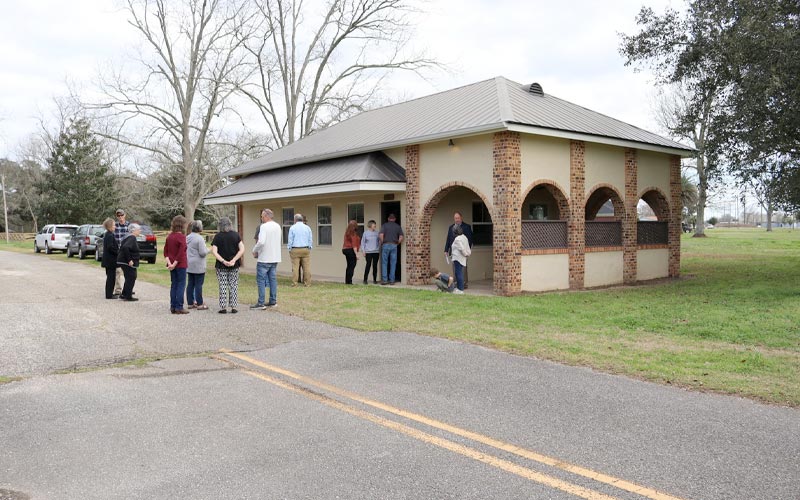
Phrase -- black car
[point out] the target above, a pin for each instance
(84, 240)
(148, 246)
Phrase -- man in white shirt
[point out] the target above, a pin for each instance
(267, 251)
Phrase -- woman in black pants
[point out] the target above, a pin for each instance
(110, 257)
(128, 260)
(350, 248)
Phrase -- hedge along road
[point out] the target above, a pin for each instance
(313, 411)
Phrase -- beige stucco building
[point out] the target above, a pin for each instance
(527, 170)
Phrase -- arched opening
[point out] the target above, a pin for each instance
(545, 212)
(653, 218)
(604, 214)
(437, 217)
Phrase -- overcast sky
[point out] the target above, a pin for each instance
(570, 47)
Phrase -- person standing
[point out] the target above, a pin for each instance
(109, 261)
(371, 246)
(227, 248)
(268, 254)
(466, 229)
(299, 244)
(128, 260)
(350, 249)
(460, 250)
(120, 231)
(196, 252)
(391, 237)
(176, 262)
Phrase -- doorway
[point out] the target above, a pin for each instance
(393, 207)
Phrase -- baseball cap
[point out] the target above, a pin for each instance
(119, 212)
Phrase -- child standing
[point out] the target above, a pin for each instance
(371, 246)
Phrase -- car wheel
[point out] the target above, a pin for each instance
(81, 253)
(69, 254)
(47, 249)
(151, 260)
(35, 247)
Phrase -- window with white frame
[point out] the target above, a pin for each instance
(355, 211)
(481, 224)
(288, 220)
(324, 229)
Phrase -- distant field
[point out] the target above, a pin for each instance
(731, 324)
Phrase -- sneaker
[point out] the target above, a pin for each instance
(384, 282)
(259, 307)
(129, 299)
(458, 292)
(234, 311)
(272, 304)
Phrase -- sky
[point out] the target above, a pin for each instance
(569, 47)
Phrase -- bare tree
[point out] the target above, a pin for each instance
(686, 119)
(311, 71)
(192, 61)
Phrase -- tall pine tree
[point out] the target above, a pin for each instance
(78, 186)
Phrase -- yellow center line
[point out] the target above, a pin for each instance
(480, 438)
(466, 451)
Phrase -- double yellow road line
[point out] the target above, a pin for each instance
(307, 390)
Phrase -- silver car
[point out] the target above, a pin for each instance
(53, 237)
(84, 240)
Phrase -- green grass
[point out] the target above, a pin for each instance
(731, 324)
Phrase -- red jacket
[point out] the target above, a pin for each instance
(175, 249)
(352, 242)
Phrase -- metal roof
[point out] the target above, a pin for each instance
(490, 105)
(372, 167)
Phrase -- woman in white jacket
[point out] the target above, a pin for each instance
(460, 251)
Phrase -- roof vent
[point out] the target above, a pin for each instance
(536, 89)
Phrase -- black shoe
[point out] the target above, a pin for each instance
(223, 311)
(365, 282)
(384, 282)
(272, 304)
(234, 311)
(129, 299)
(114, 296)
(392, 283)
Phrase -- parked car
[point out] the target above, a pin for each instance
(147, 242)
(84, 240)
(53, 237)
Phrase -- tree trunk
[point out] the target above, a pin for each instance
(702, 186)
(769, 216)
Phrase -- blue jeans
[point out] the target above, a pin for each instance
(177, 288)
(194, 288)
(388, 253)
(459, 272)
(266, 274)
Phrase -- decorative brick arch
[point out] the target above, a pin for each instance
(658, 201)
(597, 197)
(421, 251)
(555, 189)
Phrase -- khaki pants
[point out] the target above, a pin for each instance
(301, 257)
(118, 282)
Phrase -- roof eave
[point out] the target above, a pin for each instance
(612, 141)
(318, 190)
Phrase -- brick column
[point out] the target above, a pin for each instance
(576, 239)
(507, 221)
(418, 247)
(675, 216)
(629, 223)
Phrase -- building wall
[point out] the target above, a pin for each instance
(327, 261)
(652, 264)
(398, 155)
(469, 162)
(603, 268)
(604, 165)
(545, 158)
(545, 272)
(653, 171)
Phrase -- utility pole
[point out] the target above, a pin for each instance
(5, 205)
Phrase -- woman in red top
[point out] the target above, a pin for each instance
(352, 243)
(177, 262)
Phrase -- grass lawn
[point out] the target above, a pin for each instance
(731, 324)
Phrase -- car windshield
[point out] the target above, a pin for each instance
(64, 230)
(146, 229)
(97, 230)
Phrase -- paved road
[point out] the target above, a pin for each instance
(303, 410)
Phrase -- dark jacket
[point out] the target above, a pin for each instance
(128, 251)
(451, 236)
(109, 250)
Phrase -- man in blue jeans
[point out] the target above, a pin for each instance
(267, 251)
(391, 236)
